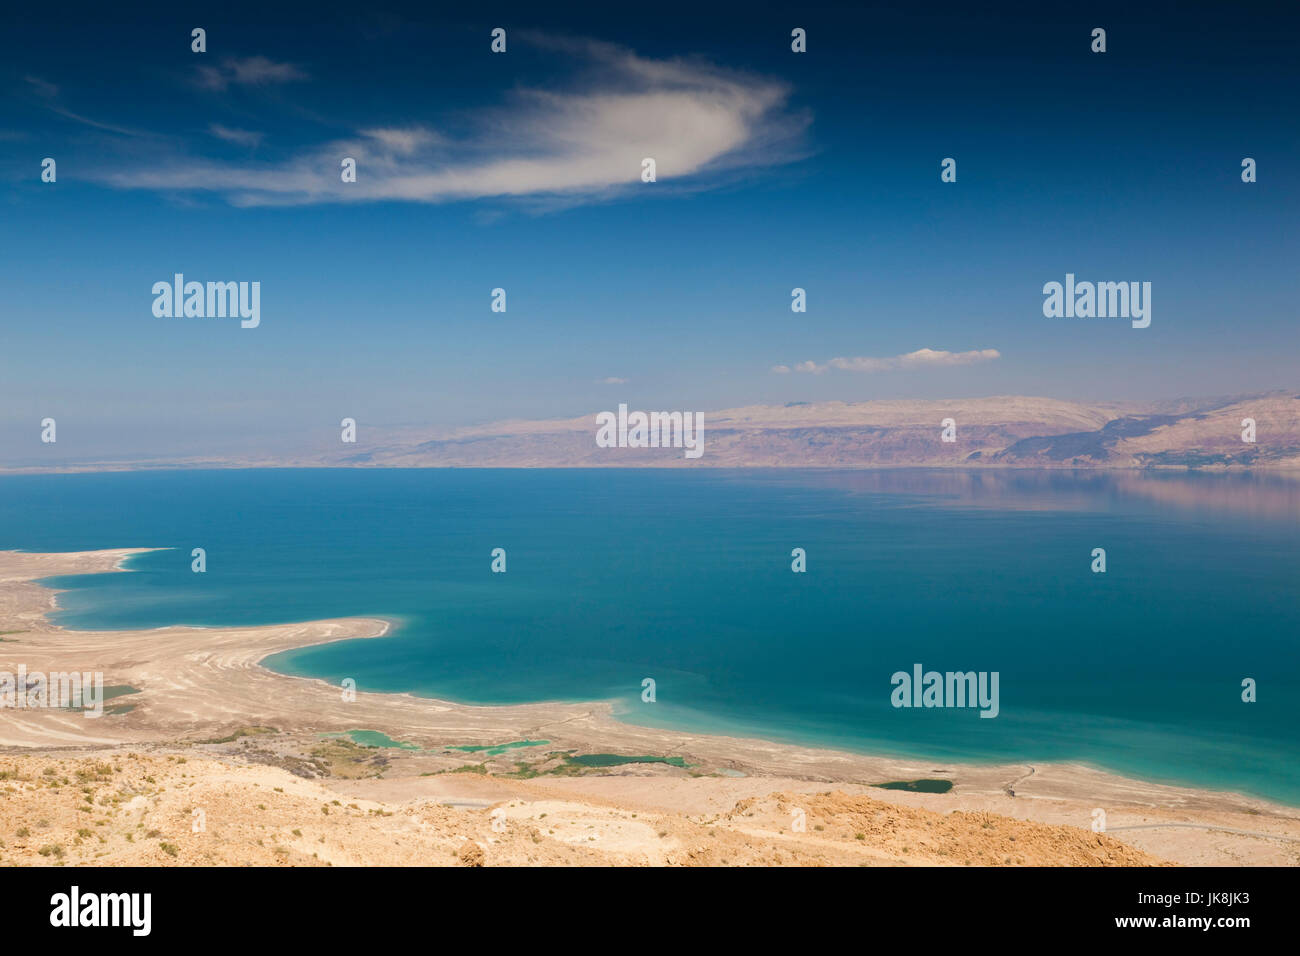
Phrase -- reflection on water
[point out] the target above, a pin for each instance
(1274, 494)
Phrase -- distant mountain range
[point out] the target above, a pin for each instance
(1002, 431)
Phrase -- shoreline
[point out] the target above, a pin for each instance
(611, 705)
(1287, 468)
(192, 691)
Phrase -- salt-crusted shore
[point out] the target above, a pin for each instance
(197, 686)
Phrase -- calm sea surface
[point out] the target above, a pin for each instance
(685, 577)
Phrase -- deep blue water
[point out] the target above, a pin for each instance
(684, 576)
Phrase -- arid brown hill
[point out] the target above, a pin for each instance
(1000, 431)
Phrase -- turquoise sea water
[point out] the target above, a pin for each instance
(684, 577)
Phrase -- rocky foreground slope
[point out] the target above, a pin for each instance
(118, 807)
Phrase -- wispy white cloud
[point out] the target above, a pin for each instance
(611, 380)
(405, 141)
(584, 143)
(242, 137)
(42, 88)
(921, 358)
(48, 93)
(247, 71)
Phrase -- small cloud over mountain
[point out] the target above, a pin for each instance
(921, 358)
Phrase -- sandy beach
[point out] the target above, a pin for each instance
(210, 729)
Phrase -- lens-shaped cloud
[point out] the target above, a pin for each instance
(587, 142)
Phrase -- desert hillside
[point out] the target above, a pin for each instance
(121, 807)
(999, 431)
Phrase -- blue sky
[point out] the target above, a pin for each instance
(476, 171)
